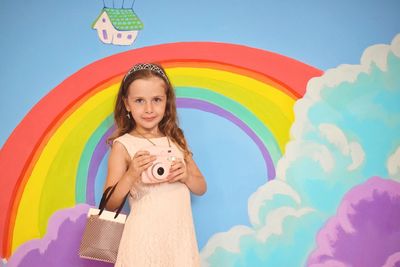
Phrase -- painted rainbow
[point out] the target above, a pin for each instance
(51, 159)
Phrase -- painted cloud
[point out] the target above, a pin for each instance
(59, 247)
(346, 130)
(365, 231)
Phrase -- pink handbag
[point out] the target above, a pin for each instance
(103, 231)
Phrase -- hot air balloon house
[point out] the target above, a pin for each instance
(119, 26)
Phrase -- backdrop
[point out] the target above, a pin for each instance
(291, 109)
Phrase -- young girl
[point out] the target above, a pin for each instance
(159, 230)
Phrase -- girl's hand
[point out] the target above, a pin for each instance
(178, 172)
(140, 162)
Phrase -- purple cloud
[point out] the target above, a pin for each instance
(365, 231)
(59, 247)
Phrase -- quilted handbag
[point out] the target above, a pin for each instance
(103, 231)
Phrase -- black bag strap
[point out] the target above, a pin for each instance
(106, 196)
(103, 198)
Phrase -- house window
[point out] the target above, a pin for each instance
(119, 35)
(129, 36)
(104, 20)
(105, 35)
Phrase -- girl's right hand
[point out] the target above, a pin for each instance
(140, 162)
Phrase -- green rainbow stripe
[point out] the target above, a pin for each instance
(88, 151)
(239, 111)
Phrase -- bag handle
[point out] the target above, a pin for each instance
(106, 196)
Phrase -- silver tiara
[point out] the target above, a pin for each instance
(146, 66)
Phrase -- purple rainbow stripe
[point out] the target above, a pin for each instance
(98, 155)
(208, 107)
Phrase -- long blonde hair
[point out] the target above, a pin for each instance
(169, 125)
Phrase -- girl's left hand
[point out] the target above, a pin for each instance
(178, 172)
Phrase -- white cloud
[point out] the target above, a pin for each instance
(396, 45)
(392, 260)
(229, 240)
(357, 155)
(336, 136)
(330, 263)
(274, 221)
(301, 108)
(377, 55)
(266, 193)
(300, 149)
(323, 156)
(393, 164)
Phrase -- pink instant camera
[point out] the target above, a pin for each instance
(159, 170)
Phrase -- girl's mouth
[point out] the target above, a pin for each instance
(149, 119)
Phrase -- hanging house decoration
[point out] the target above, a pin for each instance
(118, 26)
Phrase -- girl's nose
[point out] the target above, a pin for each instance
(149, 107)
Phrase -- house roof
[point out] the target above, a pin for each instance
(123, 19)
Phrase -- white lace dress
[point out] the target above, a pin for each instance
(159, 231)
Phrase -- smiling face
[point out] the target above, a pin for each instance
(146, 100)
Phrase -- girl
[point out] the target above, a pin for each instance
(159, 231)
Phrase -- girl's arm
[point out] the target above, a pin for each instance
(125, 171)
(195, 180)
(117, 172)
(189, 175)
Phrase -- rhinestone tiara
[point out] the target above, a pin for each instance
(146, 66)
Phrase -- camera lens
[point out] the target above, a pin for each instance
(160, 171)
